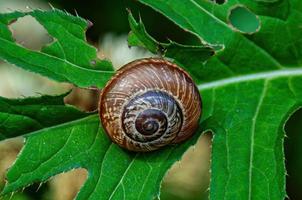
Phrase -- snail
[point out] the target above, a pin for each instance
(149, 103)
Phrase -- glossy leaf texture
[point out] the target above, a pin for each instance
(249, 90)
(62, 60)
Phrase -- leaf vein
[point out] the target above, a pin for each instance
(253, 129)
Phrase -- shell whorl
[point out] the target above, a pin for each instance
(148, 104)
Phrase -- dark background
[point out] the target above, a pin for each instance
(111, 16)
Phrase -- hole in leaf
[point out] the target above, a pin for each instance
(9, 150)
(28, 32)
(219, 2)
(67, 185)
(12, 79)
(84, 99)
(293, 152)
(243, 20)
(189, 178)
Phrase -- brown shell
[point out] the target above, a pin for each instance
(148, 104)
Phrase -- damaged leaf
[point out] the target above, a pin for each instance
(64, 59)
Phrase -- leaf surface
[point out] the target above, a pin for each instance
(80, 143)
(113, 172)
(65, 58)
(21, 116)
(249, 90)
(186, 56)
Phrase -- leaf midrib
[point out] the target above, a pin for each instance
(58, 58)
(122, 178)
(251, 77)
(62, 124)
(56, 126)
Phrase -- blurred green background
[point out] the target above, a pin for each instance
(189, 178)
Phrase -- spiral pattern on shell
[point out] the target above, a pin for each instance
(148, 104)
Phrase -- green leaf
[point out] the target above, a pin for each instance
(187, 56)
(249, 90)
(22, 116)
(113, 172)
(248, 131)
(65, 58)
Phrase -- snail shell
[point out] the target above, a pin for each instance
(148, 104)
